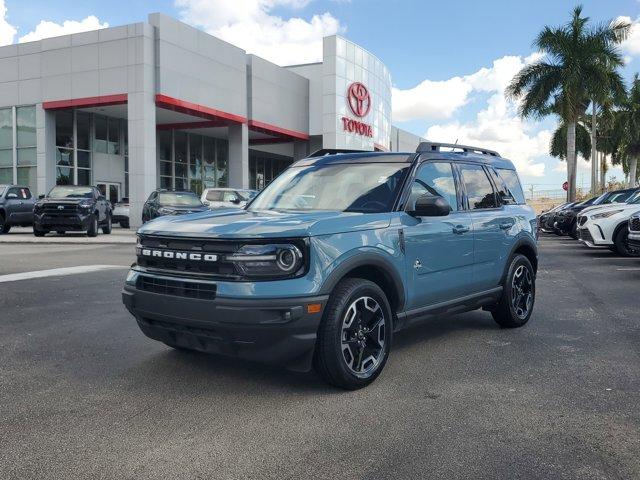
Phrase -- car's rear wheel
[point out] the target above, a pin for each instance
(124, 223)
(354, 338)
(621, 243)
(92, 231)
(3, 224)
(574, 231)
(518, 296)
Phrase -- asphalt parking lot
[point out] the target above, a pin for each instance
(83, 394)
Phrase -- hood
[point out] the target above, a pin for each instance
(185, 209)
(234, 223)
(609, 207)
(64, 201)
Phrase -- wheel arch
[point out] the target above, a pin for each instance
(620, 226)
(372, 267)
(524, 246)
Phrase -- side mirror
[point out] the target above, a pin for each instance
(41, 196)
(11, 196)
(235, 200)
(430, 206)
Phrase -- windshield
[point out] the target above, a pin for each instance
(352, 187)
(71, 192)
(618, 197)
(179, 199)
(247, 194)
(600, 199)
(635, 198)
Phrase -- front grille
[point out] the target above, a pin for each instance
(585, 235)
(634, 224)
(178, 288)
(52, 208)
(582, 220)
(219, 268)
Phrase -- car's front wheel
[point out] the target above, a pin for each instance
(108, 225)
(92, 231)
(518, 295)
(354, 338)
(621, 243)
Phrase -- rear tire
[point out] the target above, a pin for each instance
(518, 296)
(124, 224)
(621, 242)
(3, 224)
(5, 228)
(354, 338)
(92, 231)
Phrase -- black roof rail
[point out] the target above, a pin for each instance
(437, 147)
(332, 151)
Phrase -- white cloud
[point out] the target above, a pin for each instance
(631, 46)
(46, 29)
(7, 31)
(251, 25)
(496, 126)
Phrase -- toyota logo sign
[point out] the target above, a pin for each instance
(359, 99)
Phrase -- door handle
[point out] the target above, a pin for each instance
(460, 229)
(506, 225)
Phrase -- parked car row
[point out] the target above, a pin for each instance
(610, 220)
(80, 208)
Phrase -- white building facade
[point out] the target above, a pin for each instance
(160, 104)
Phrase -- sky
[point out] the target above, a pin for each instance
(450, 61)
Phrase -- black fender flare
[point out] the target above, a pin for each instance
(521, 242)
(367, 259)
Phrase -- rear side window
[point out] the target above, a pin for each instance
(479, 189)
(26, 193)
(504, 193)
(510, 177)
(21, 193)
(214, 195)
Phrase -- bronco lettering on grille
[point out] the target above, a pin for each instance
(173, 255)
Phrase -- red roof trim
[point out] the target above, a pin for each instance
(182, 106)
(192, 125)
(86, 102)
(263, 127)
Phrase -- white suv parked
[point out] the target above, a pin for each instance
(634, 232)
(608, 226)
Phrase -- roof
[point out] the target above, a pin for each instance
(407, 157)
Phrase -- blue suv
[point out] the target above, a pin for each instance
(337, 254)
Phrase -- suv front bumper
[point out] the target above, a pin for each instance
(278, 331)
(592, 235)
(77, 221)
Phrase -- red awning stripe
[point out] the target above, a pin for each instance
(196, 110)
(269, 129)
(86, 102)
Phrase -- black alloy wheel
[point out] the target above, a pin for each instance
(354, 338)
(621, 243)
(518, 296)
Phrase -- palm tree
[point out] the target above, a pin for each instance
(558, 146)
(627, 124)
(578, 64)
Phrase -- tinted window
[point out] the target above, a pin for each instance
(436, 179)
(179, 199)
(230, 196)
(479, 190)
(14, 191)
(504, 194)
(71, 192)
(513, 184)
(620, 197)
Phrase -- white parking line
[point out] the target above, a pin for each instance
(633, 269)
(55, 272)
(613, 257)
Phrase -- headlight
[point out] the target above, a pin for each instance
(276, 260)
(166, 211)
(605, 214)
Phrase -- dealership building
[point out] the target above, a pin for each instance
(161, 104)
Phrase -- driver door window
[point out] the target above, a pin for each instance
(434, 178)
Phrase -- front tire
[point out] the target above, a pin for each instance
(621, 243)
(574, 231)
(354, 338)
(108, 226)
(124, 224)
(38, 232)
(92, 231)
(518, 296)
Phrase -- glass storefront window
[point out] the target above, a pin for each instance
(181, 173)
(222, 157)
(264, 167)
(84, 159)
(195, 163)
(114, 136)
(83, 128)
(6, 158)
(6, 175)
(26, 126)
(64, 128)
(27, 156)
(101, 134)
(64, 166)
(27, 176)
(164, 142)
(84, 177)
(6, 128)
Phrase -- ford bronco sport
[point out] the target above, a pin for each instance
(338, 253)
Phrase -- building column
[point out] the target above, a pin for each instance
(239, 156)
(300, 149)
(141, 113)
(45, 150)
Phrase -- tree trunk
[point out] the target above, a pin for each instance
(571, 161)
(633, 167)
(594, 152)
(603, 173)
